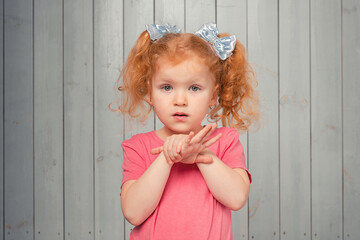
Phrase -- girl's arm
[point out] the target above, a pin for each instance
(140, 197)
(229, 186)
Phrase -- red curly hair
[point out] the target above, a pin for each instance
(237, 97)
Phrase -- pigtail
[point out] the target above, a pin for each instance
(134, 82)
(237, 96)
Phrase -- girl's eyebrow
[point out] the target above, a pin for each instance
(165, 80)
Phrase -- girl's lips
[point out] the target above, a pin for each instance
(179, 116)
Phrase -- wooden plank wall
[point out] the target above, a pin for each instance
(60, 161)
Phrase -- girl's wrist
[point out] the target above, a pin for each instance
(207, 152)
(169, 163)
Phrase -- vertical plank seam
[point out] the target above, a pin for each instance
(216, 11)
(278, 105)
(310, 115)
(184, 15)
(93, 117)
(63, 114)
(342, 121)
(3, 122)
(33, 113)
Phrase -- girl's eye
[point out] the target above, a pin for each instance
(166, 88)
(194, 88)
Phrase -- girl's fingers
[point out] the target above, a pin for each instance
(212, 129)
(200, 135)
(166, 150)
(204, 133)
(211, 141)
(178, 141)
(186, 142)
(157, 150)
(172, 144)
(190, 137)
(170, 148)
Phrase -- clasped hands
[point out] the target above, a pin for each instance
(188, 148)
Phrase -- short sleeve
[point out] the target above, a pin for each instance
(233, 154)
(134, 164)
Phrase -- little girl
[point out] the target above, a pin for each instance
(183, 180)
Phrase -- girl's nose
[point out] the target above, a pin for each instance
(180, 99)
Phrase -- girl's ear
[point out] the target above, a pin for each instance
(148, 99)
(213, 99)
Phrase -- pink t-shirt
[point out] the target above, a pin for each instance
(187, 209)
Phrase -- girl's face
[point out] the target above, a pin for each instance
(182, 94)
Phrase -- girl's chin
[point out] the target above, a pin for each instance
(171, 131)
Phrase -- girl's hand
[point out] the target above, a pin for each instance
(188, 149)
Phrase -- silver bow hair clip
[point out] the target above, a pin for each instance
(223, 47)
(158, 31)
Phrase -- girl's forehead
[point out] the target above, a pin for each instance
(171, 62)
(189, 69)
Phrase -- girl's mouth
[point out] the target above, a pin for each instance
(180, 116)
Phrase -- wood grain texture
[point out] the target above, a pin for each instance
(108, 126)
(18, 111)
(170, 11)
(326, 123)
(61, 156)
(137, 14)
(48, 115)
(199, 12)
(264, 144)
(78, 120)
(294, 82)
(351, 117)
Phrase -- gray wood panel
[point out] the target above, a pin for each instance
(18, 111)
(1, 117)
(48, 115)
(170, 11)
(232, 18)
(351, 117)
(108, 126)
(294, 83)
(137, 14)
(78, 120)
(197, 13)
(264, 144)
(326, 125)
(61, 156)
